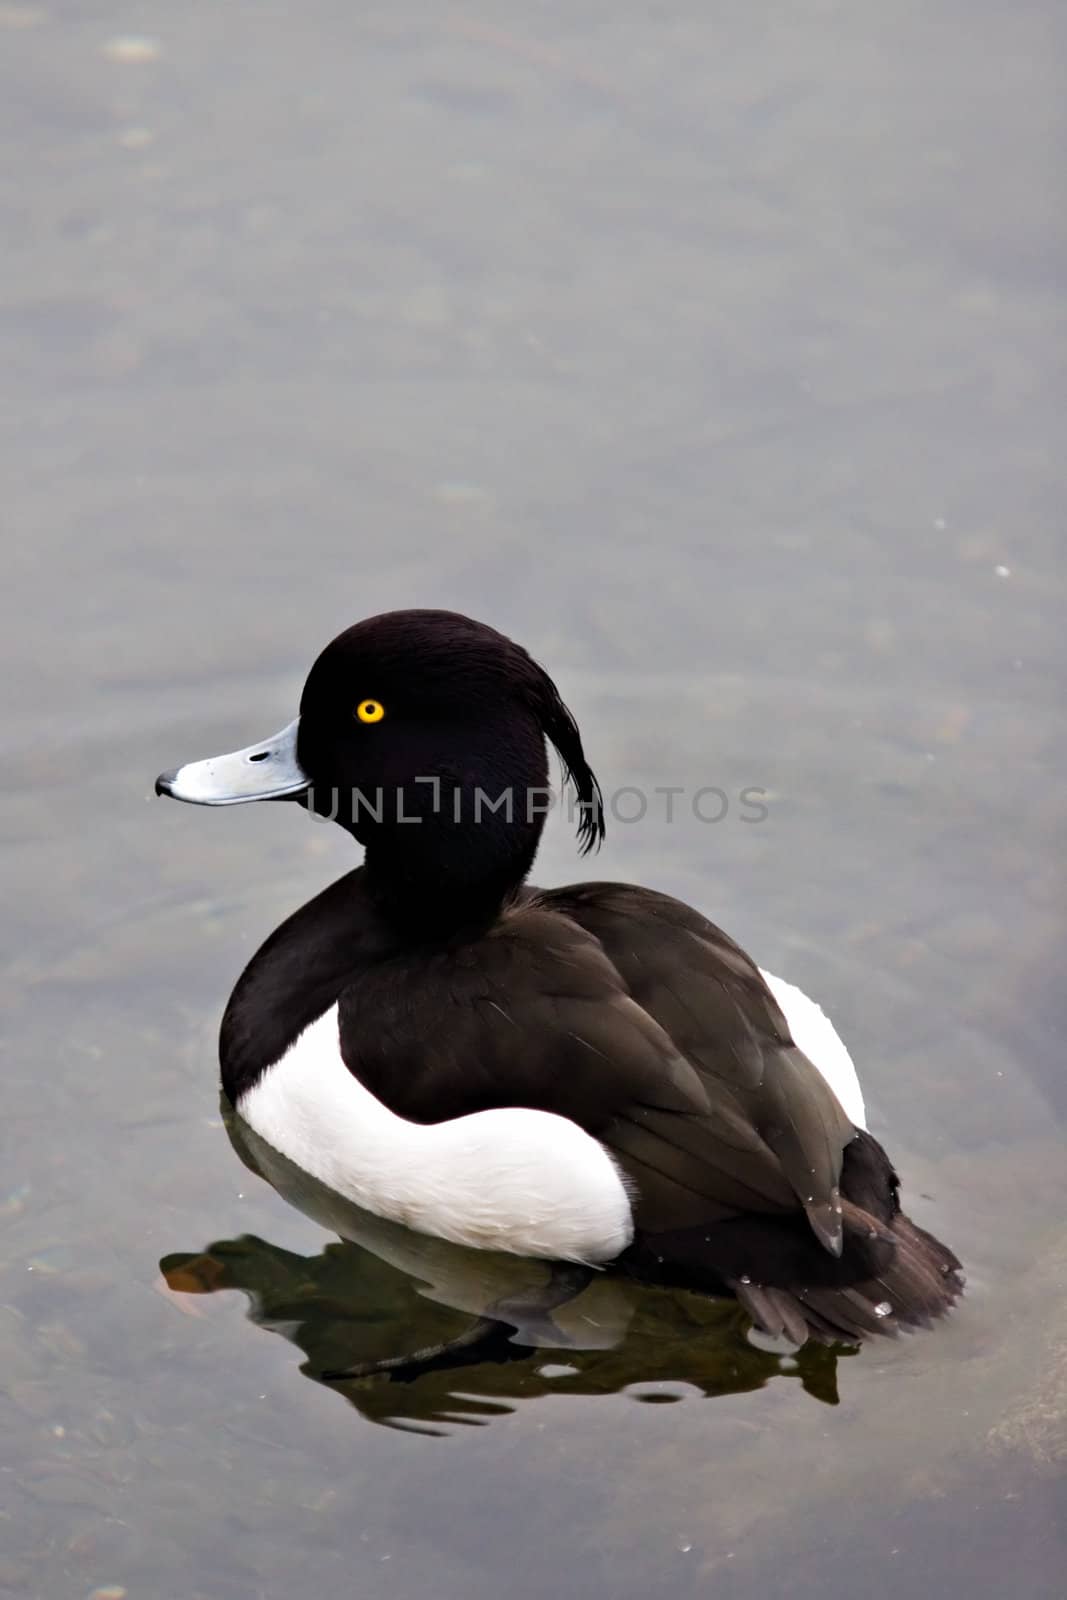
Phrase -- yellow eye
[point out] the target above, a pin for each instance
(370, 711)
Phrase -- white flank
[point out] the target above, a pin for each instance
(815, 1034)
(524, 1181)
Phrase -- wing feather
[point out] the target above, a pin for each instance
(630, 1014)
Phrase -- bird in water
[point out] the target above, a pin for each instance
(593, 1074)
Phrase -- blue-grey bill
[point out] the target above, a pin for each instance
(267, 771)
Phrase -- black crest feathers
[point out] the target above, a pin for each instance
(561, 730)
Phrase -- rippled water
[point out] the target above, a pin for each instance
(716, 353)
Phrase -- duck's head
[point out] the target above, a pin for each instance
(423, 733)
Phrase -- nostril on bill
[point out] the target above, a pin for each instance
(260, 755)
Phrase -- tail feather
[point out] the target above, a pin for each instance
(891, 1274)
(774, 1311)
(920, 1282)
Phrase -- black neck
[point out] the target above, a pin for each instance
(451, 873)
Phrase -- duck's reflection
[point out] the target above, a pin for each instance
(418, 1333)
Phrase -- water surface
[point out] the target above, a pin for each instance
(716, 353)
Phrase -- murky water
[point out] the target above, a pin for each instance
(716, 353)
